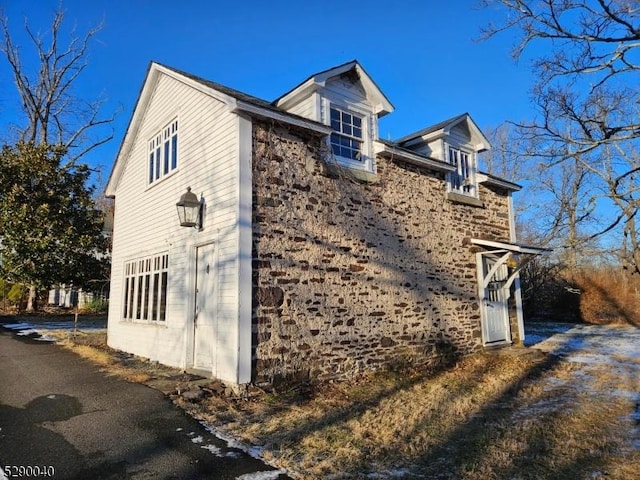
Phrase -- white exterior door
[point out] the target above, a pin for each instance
(495, 318)
(205, 321)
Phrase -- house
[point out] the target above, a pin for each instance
(319, 249)
(68, 296)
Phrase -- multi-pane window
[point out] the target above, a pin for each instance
(346, 139)
(462, 180)
(145, 288)
(163, 152)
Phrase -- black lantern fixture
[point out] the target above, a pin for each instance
(189, 210)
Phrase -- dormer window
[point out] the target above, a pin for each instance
(463, 180)
(347, 137)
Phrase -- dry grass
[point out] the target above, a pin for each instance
(487, 417)
(609, 296)
(93, 347)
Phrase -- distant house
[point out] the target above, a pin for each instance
(321, 249)
(68, 296)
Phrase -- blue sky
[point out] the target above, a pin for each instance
(424, 55)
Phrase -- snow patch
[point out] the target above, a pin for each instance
(399, 473)
(592, 348)
(46, 338)
(251, 450)
(29, 331)
(612, 345)
(39, 330)
(217, 451)
(271, 475)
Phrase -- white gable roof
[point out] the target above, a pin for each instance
(154, 72)
(236, 101)
(443, 129)
(381, 103)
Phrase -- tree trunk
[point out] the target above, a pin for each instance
(32, 302)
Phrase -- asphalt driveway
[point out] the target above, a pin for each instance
(60, 414)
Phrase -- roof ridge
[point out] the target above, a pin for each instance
(309, 77)
(431, 128)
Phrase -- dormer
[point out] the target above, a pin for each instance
(456, 141)
(349, 101)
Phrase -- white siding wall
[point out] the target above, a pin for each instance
(460, 137)
(307, 108)
(339, 89)
(432, 149)
(146, 223)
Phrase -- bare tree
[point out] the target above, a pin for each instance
(55, 120)
(571, 214)
(505, 158)
(557, 205)
(587, 96)
(53, 114)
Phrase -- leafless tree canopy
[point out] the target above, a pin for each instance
(53, 113)
(601, 36)
(587, 96)
(59, 127)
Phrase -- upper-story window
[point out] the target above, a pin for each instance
(163, 152)
(463, 179)
(347, 138)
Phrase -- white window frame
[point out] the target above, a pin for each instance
(145, 289)
(364, 161)
(163, 152)
(346, 128)
(463, 181)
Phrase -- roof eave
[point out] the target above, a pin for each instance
(388, 150)
(440, 130)
(284, 117)
(382, 105)
(125, 146)
(511, 247)
(301, 91)
(153, 73)
(498, 182)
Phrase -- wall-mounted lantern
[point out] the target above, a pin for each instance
(190, 210)
(512, 261)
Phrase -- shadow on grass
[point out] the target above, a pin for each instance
(475, 447)
(527, 428)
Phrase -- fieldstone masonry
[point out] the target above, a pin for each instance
(349, 276)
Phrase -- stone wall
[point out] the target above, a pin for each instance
(349, 275)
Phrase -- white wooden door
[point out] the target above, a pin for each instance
(495, 327)
(205, 311)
